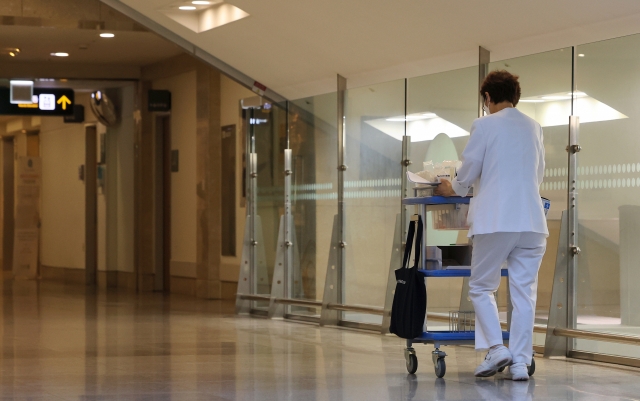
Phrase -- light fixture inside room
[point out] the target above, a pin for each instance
(553, 109)
(60, 54)
(420, 127)
(107, 35)
(580, 55)
(205, 15)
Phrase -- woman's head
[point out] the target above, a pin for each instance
(501, 86)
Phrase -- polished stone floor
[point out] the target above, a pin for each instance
(65, 343)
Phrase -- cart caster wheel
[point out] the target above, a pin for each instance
(502, 369)
(440, 368)
(412, 364)
(532, 367)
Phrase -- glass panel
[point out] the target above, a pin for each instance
(440, 110)
(372, 191)
(608, 104)
(268, 127)
(313, 139)
(545, 80)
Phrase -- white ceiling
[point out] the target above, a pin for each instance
(297, 47)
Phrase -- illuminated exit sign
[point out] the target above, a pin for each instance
(45, 102)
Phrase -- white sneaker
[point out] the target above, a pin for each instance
(496, 358)
(518, 372)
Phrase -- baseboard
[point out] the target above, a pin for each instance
(183, 286)
(229, 290)
(65, 275)
(126, 280)
(105, 279)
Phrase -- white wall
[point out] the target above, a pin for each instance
(183, 182)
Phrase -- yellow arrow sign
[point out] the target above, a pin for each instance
(64, 101)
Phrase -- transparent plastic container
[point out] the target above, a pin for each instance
(452, 217)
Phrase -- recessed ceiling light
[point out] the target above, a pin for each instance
(12, 54)
(201, 3)
(107, 35)
(556, 97)
(580, 55)
(60, 54)
(187, 8)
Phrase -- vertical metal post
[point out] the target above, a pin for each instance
(252, 204)
(288, 212)
(484, 57)
(572, 210)
(288, 220)
(342, 168)
(572, 240)
(406, 162)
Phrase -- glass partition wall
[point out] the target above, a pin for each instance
(313, 142)
(267, 141)
(428, 118)
(608, 104)
(440, 110)
(546, 80)
(373, 156)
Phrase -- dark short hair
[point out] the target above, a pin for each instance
(501, 85)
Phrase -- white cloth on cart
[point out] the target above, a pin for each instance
(504, 161)
(523, 253)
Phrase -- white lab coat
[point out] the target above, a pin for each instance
(504, 161)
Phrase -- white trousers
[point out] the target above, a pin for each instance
(523, 253)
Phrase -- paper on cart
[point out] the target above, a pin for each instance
(416, 179)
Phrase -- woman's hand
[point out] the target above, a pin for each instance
(444, 189)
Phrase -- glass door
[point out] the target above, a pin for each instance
(266, 139)
(608, 184)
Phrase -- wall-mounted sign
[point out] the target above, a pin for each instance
(45, 102)
(259, 88)
(159, 100)
(77, 116)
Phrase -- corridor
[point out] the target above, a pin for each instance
(63, 343)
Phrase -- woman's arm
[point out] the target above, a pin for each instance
(472, 160)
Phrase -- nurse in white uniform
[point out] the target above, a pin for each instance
(504, 162)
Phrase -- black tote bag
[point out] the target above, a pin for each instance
(410, 299)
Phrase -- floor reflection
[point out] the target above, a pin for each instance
(75, 343)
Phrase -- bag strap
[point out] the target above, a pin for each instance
(418, 243)
(409, 244)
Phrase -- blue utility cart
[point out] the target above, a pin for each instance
(441, 338)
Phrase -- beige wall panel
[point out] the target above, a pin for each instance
(230, 113)
(63, 201)
(183, 182)
(11, 8)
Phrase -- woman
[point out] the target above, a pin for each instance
(504, 161)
